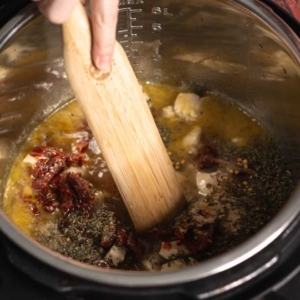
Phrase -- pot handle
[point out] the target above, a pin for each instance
(290, 20)
(10, 8)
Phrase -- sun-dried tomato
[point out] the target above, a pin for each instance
(56, 189)
(121, 237)
(207, 156)
(133, 244)
(68, 159)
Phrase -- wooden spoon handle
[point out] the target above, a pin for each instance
(122, 123)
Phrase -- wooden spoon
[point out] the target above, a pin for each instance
(120, 119)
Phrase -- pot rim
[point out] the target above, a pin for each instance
(204, 269)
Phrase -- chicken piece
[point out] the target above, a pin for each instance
(205, 182)
(173, 265)
(30, 160)
(115, 255)
(236, 140)
(172, 250)
(152, 262)
(81, 170)
(93, 146)
(168, 112)
(192, 140)
(178, 264)
(188, 106)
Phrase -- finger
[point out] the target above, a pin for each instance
(57, 11)
(104, 16)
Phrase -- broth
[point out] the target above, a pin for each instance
(61, 193)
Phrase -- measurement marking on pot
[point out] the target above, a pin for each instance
(166, 13)
(161, 11)
(128, 33)
(130, 2)
(156, 46)
(156, 27)
(128, 36)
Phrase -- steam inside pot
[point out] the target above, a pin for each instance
(61, 193)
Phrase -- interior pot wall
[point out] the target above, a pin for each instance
(32, 83)
(219, 46)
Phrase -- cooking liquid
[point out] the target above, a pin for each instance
(220, 121)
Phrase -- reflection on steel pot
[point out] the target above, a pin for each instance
(236, 48)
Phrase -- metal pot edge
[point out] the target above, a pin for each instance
(143, 279)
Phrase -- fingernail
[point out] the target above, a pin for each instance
(103, 63)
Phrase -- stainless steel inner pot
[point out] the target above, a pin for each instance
(236, 48)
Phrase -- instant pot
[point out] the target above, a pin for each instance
(247, 50)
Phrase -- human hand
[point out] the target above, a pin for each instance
(104, 17)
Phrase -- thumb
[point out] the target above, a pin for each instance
(104, 17)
